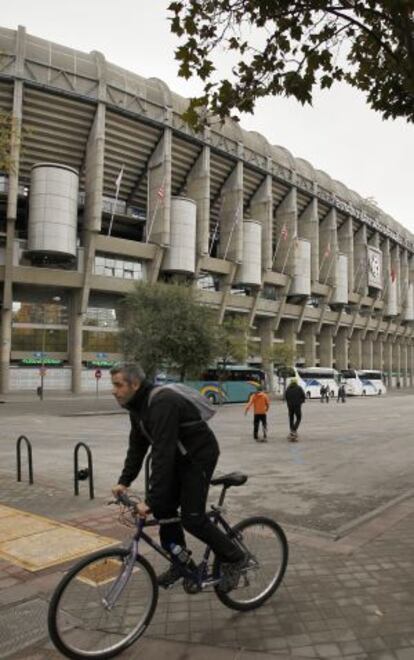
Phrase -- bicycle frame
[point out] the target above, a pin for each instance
(200, 576)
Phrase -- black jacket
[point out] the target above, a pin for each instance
(163, 421)
(294, 395)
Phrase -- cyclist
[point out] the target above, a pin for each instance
(184, 454)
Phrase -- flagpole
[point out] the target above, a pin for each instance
(235, 222)
(155, 210)
(329, 268)
(284, 233)
(213, 238)
(287, 253)
(118, 186)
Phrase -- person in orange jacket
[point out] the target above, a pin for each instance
(260, 402)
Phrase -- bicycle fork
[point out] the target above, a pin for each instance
(109, 601)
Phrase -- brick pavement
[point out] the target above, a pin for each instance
(352, 598)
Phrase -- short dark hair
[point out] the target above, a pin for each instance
(130, 371)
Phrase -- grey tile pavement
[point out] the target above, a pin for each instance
(352, 598)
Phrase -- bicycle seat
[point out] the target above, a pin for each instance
(232, 479)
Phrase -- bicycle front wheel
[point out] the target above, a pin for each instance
(82, 625)
(267, 546)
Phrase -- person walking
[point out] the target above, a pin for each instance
(260, 403)
(295, 397)
(324, 392)
(341, 394)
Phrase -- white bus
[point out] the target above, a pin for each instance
(353, 383)
(372, 378)
(283, 376)
(315, 377)
(363, 382)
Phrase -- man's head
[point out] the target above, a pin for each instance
(126, 381)
(293, 381)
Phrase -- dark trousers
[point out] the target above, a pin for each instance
(257, 419)
(295, 416)
(189, 490)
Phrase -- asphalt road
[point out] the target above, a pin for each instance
(351, 458)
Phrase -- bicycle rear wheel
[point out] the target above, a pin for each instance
(80, 623)
(266, 543)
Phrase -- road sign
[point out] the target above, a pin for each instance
(42, 371)
(98, 374)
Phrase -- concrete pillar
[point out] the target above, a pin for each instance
(378, 354)
(388, 365)
(261, 209)
(198, 189)
(360, 261)
(341, 349)
(231, 216)
(75, 341)
(308, 227)
(396, 271)
(355, 350)
(308, 335)
(326, 346)
(328, 248)
(266, 345)
(346, 246)
(287, 331)
(367, 352)
(396, 360)
(404, 364)
(411, 363)
(92, 220)
(13, 183)
(286, 221)
(405, 274)
(159, 192)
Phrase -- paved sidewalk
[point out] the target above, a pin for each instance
(352, 598)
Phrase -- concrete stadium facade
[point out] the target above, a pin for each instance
(261, 233)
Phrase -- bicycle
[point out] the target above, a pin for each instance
(106, 601)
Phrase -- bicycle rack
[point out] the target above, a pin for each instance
(85, 473)
(19, 458)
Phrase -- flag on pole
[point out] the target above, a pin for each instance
(393, 275)
(327, 250)
(161, 191)
(284, 232)
(118, 180)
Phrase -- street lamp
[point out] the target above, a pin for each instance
(42, 366)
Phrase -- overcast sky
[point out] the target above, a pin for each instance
(339, 134)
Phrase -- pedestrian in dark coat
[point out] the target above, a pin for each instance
(295, 397)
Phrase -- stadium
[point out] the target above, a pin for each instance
(108, 186)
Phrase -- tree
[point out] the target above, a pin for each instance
(231, 341)
(279, 355)
(165, 327)
(289, 48)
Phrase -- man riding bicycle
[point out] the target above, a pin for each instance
(184, 453)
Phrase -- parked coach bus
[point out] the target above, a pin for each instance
(315, 377)
(232, 384)
(363, 382)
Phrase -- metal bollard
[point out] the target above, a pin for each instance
(85, 473)
(19, 458)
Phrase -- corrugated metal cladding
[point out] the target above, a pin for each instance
(6, 96)
(184, 155)
(56, 130)
(129, 143)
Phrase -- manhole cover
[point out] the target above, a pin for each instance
(22, 625)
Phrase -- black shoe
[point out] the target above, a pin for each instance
(170, 576)
(231, 573)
